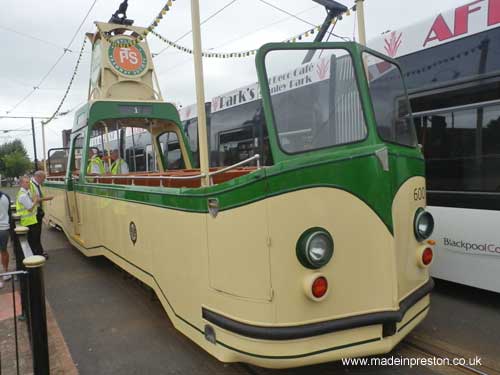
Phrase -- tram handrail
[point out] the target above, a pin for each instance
(243, 162)
(194, 177)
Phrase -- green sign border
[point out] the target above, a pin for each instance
(119, 69)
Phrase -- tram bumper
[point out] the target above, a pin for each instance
(294, 346)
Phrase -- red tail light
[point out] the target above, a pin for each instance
(427, 256)
(319, 287)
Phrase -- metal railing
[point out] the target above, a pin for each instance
(162, 178)
(32, 292)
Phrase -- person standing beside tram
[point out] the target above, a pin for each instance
(26, 208)
(36, 191)
(119, 166)
(5, 226)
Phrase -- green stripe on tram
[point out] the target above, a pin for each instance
(352, 174)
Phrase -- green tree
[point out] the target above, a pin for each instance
(14, 161)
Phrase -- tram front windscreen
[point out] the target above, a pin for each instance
(317, 104)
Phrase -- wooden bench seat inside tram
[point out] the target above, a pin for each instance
(154, 179)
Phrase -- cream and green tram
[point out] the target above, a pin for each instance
(317, 255)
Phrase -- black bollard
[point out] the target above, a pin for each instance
(38, 315)
(18, 252)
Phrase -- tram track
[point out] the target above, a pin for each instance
(431, 348)
(421, 347)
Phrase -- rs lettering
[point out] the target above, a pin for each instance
(127, 54)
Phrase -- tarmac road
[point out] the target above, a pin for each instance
(112, 325)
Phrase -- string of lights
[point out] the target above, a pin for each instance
(247, 53)
(132, 42)
(75, 71)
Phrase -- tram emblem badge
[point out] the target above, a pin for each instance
(129, 61)
(132, 230)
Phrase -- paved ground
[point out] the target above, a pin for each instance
(60, 359)
(113, 326)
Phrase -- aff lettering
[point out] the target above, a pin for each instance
(462, 17)
(441, 31)
(127, 54)
(493, 12)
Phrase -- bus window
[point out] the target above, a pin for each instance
(461, 147)
(238, 133)
(171, 150)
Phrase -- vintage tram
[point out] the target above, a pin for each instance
(318, 253)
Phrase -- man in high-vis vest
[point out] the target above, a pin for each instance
(119, 165)
(95, 164)
(36, 183)
(26, 208)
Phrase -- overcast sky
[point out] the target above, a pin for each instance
(34, 34)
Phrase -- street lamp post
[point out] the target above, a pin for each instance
(34, 142)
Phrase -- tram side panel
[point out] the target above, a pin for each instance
(56, 209)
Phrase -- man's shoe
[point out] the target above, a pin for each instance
(7, 277)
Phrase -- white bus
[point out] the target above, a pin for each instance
(451, 65)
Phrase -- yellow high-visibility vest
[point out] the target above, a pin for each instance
(117, 166)
(97, 161)
(27, 217)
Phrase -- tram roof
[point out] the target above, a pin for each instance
(99, 110)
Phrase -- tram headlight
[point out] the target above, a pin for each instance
(315, 248)
(423, 224)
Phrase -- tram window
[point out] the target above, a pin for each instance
(191, 131)
(58, 161)
(151, 159)
(390, 102)
(462, 149)
(315, 105)
(135, 143)
(171, 150)
(76, 158)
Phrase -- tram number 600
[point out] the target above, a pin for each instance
(419, 194)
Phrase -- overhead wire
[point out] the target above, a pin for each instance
(201, 23)
(25, 35)
(260, 29)
(175, 66)
(345, 38)
(66, 50)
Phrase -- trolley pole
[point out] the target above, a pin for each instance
(360, 11)
(200, 92)
(34, 141)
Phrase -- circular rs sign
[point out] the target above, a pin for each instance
(129, 61)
